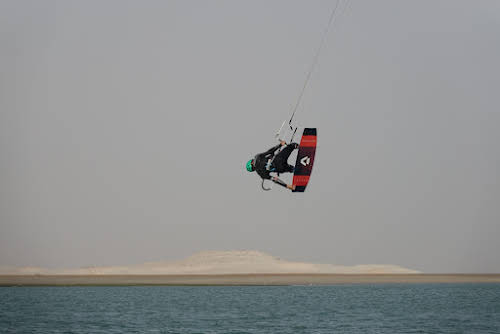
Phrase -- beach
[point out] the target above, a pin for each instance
(241, 279)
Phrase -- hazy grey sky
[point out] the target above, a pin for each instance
(125, 127)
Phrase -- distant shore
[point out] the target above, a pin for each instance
(241, 279)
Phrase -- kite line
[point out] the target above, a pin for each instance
(315, 59)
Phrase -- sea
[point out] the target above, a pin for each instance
(356, 308)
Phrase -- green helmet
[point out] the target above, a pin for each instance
(250, 167)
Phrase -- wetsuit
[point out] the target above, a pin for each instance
(267, 162)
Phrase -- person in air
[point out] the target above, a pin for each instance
(269, 162)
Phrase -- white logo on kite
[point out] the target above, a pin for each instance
(305, 161)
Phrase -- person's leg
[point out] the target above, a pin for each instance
(280, 161)
(285, 153)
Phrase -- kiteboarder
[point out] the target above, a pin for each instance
(269, 162)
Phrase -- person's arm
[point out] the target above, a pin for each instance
(283, 184)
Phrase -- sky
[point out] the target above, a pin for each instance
(125, 127)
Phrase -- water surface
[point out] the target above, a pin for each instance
(361, 308)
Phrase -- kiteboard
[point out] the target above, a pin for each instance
(305, 159)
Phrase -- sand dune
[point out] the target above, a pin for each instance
(216, 263)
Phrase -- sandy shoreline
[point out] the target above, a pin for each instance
(241, 279)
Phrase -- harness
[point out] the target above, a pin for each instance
(269, 166)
